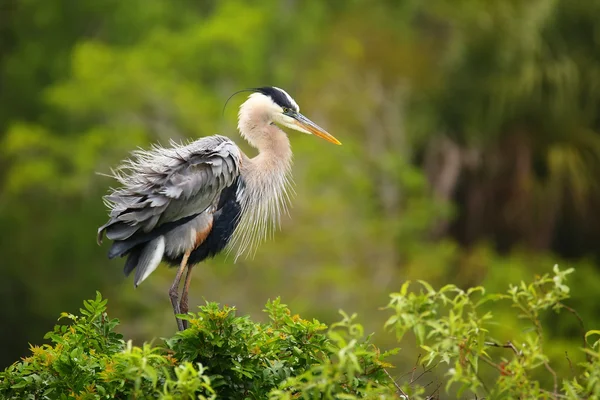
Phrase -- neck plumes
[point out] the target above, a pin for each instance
(265, 191)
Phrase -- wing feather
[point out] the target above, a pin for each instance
(164, 185)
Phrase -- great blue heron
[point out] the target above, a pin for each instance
(188, 202)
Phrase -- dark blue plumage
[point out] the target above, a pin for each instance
(279, 97)
(119, 248)
(226, 219)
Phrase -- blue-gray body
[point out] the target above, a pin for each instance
(173, 201)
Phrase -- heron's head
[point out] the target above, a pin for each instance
(282, 110)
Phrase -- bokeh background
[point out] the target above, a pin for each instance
(471, 154)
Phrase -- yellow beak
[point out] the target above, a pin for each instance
(306, 124)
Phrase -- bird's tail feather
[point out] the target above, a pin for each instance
(145, 260)
(132, 259)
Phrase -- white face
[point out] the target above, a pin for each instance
(285, 116)
(288, 117)
(294, 120)
(285, 120)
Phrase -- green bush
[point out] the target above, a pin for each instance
(222, 355)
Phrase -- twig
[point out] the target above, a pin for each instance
(426, 386)
(402, 392)
(423, 373)
(538, 328)
(549, 368)
(507, 345)
(570, 364)
(555, 395)
(415, 368)
(581, 324)
(492, 364)
(437, 390)
(412, 371)
(479, 378)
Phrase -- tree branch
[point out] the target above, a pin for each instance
(398, 388)
(507, 345)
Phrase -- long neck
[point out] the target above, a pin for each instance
(273, 145)
(267, 180)
(274, 154)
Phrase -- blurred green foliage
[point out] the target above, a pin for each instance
(471, 150)
(222, 355)
(88, 360)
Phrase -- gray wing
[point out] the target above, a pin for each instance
(165, 185)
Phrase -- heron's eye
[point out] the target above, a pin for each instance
(285, 110)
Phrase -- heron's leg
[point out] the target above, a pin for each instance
(183, 305)
(174, 291)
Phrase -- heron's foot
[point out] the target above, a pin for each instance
(176, 308)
